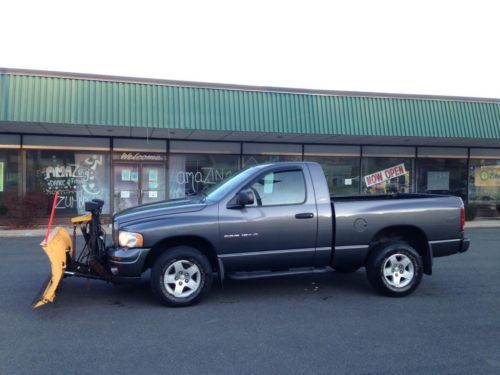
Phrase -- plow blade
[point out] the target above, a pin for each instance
(57, 248)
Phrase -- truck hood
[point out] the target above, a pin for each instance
(168, 207)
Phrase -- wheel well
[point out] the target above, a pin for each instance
(407, 233)
(198, 243)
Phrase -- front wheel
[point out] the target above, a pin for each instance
(394, 269)
(181, 276)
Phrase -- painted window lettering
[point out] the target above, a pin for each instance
(206, 175)
(140, 157)
(76, 182)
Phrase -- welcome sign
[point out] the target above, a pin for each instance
(384, 175)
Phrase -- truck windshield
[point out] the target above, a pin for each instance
(219, 190)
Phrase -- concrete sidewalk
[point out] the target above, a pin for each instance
(40, 232)
(483, 224)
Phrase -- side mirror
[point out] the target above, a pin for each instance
(242, 199)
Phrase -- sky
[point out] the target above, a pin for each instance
(433, 47)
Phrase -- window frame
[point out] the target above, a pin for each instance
(278, 170)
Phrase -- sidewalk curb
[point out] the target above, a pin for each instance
(40, 232)
(482, 224)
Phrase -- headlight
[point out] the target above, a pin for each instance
(130, 239)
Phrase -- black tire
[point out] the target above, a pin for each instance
(397, 269)
(346, 269)
(184, 257)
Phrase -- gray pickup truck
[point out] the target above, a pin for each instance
(279, 219)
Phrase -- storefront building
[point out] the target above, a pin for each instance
(133, 141)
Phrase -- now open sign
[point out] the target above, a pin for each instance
(384, 175)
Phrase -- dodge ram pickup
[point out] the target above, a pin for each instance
(279, 219)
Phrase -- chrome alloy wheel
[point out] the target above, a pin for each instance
(182, 278)
(398, 270)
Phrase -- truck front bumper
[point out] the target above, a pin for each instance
(464, 245)
(125, 262)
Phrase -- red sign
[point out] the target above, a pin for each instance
(384, 175)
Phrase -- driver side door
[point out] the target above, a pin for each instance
(278, 231)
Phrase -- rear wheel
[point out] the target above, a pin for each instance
(394, 269)
(181, 276)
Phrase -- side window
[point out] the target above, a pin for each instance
(279, 188)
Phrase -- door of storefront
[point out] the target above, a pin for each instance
(137, 182)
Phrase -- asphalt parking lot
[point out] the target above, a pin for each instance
(321, 324)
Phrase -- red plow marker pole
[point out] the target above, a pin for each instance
(52, 212)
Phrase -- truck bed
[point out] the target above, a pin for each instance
(376, 197)
(359, 218)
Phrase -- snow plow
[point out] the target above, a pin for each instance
(60, 248)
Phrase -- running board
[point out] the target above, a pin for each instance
(114, 279)
(265, 274)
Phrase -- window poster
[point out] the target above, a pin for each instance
(385, 175)
(153, 175)
(269, 183)
(134, 176)
(438, 180)
(125, 174)
(486, 176)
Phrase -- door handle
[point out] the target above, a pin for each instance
(304, 215)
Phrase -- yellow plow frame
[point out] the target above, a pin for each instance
(58, 247)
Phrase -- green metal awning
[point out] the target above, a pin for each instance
(35, 97)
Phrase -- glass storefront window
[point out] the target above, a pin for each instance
(153, 181)
(138, 183)
(190, 174)
(261, 153)
(342, 173)
(484, 188)
(79, 176)
(251, 160)
(126, 186)
(9, 177)
(138, 178)
(383, 175)
(442, 176)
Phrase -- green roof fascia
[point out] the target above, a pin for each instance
(65, 100)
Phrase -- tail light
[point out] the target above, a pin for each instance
(462, 218)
